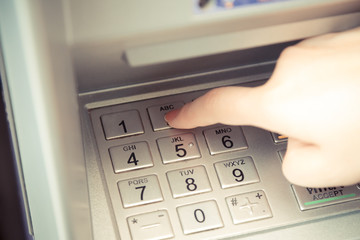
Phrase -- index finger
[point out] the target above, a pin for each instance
(226, 105)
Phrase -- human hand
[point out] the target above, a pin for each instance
(313, 97)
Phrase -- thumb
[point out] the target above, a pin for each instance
(226, 105)
(312, 165)
(304, 165)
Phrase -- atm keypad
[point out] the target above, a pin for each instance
(164, 182)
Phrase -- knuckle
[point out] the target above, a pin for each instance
(213, 97)
(289, 54)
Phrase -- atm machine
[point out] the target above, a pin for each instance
(86, 85)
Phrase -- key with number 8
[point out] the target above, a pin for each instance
(188, 181)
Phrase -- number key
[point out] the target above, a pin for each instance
(189, 181)
(225, 139)
(236, 172)
(130, 157)
(158, 112)
(122, 124)
(178, 148)
(199, 217)
(141, 190)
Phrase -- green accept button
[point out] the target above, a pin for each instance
(309, 198)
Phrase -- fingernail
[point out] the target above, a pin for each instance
(170, 116)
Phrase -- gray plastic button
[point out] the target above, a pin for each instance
(122, 124)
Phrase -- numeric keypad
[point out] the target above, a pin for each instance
(137, 163)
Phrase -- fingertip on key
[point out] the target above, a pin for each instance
(170, 116)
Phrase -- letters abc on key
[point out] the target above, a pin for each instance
(167, 108)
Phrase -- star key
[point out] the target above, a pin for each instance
(151, 225)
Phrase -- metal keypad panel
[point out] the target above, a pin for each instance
(205, 183)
